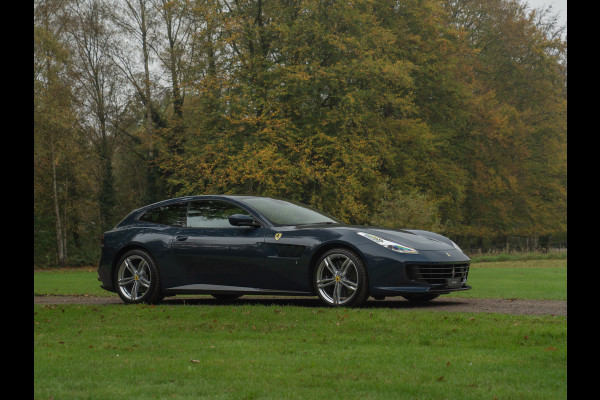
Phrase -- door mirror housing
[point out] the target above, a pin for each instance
(242, 220)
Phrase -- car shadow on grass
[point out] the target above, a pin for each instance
(310, 302)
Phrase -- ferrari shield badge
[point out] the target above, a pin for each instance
(277, 236)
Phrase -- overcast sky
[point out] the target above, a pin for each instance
(558, 6)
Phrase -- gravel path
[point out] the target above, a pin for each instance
(503, 306)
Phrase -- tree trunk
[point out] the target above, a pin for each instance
(59, 234)
(151, 176)
(64, 233)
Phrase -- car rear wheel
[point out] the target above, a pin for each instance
(340, 279)
(137, 279)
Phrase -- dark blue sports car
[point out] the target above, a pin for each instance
(229, 246)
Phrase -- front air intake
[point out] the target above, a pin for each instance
(437, 274)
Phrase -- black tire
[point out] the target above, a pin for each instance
(340, 279)
(420, 297)
(137, 279)
(226, 296)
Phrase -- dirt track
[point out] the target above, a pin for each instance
(503, 306)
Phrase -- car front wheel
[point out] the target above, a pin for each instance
(340, 279)
(137, 279)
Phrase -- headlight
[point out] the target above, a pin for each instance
(397, 247)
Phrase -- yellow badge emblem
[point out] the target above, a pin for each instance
(277, 236)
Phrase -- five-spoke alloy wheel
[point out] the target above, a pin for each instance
(340, 278)
(137, 278)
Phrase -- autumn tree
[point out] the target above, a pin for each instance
(101, 100)
(136, 23)
(518, 124)
(54, 126)
(175, 50)
(441, 115)
(305, 115)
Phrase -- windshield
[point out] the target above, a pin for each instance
(285, 213)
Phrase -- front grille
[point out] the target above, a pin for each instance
(437, 274)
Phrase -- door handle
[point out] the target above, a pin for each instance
(181, 238)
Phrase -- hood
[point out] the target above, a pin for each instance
(418, 241)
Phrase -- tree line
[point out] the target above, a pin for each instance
(441, 115)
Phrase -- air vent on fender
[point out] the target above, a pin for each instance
(289, 250)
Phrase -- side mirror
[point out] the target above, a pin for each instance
(242, 220)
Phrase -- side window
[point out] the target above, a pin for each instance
(173, 214)
(212, 214)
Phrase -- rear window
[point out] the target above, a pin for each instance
(173, 214)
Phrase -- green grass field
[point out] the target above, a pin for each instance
(534, 279)
(291, 352)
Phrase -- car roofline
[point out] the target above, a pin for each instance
(235, 198)
(135, 214)
(195, 197)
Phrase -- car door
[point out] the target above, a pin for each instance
(213, 254)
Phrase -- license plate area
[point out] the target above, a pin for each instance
(454, 282)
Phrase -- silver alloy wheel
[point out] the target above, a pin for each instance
(337, 279)
(134, 277)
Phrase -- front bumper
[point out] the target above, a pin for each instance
(433, 271)
(400, 290)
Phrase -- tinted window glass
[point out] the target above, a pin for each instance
(212, 214)
(173, 214)
(285, 213)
